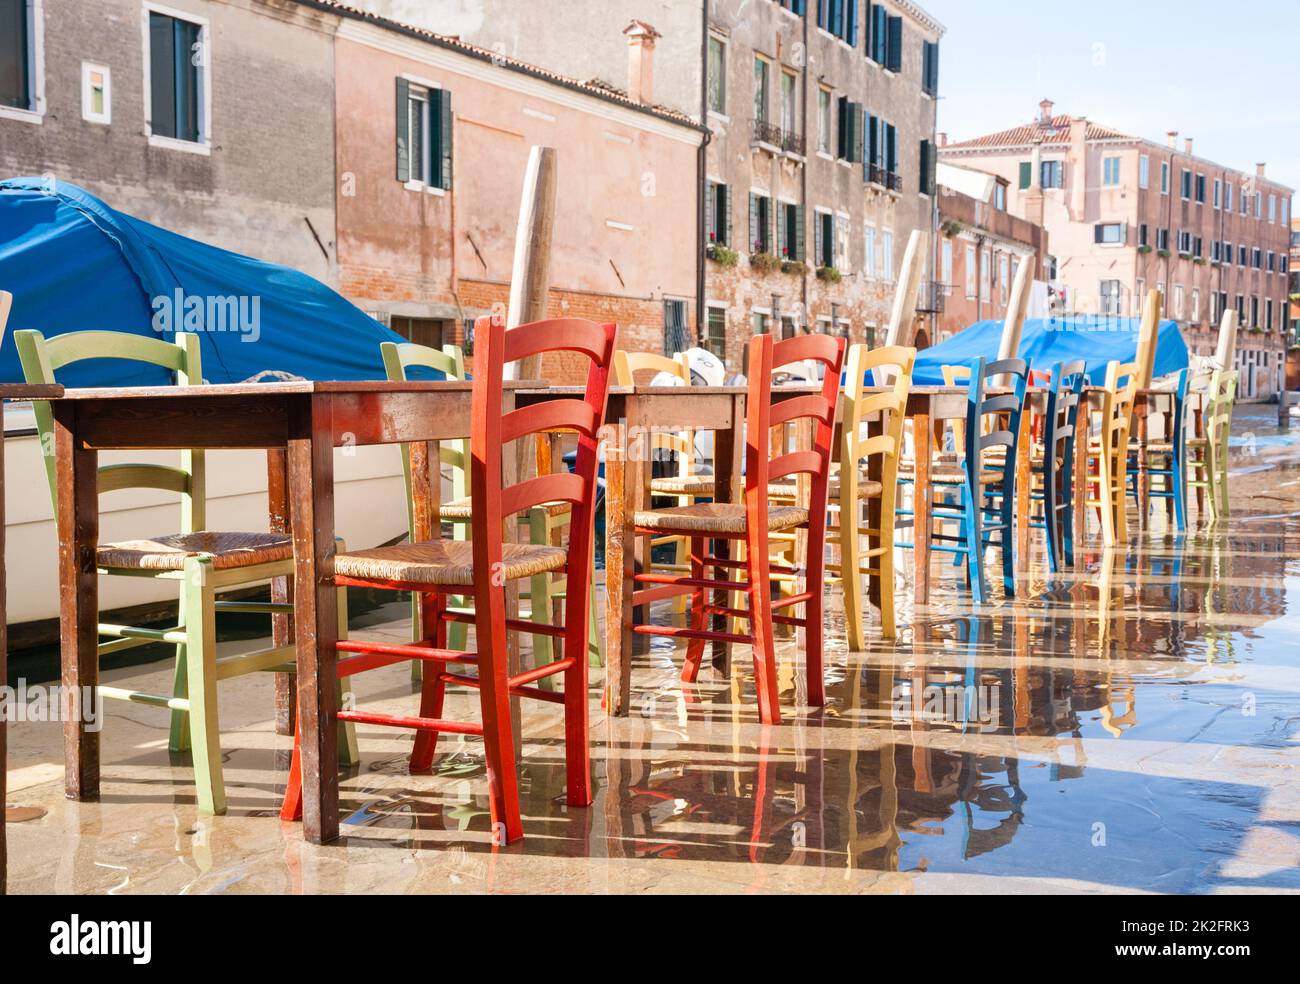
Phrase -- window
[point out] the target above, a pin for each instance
(1139, 291)
(927, 159)
(789, 104)
(717, 204)
(1216, 250)
(930, 68)
(20, 67)
(715, 332)
(1272, 208)
(1178, 302)
(1144, 171)
(824, 234)
(760, 223)
(1285, 210)
(887, 254)
(1243, 255)
(970, 271)
(675, 336)
(1268, 314)
(717, 75)
(790, 231)
(869, 250)
(1200, 189)
(1227, 196)
(1270, 264)
(1256, 258)
(1162, 239)
(1245, 200)
(1254, 311)
(1196, 306)
(1142, 234)
(1110, 172)
(1226, 252)
(945, 261)
(1184, 242)
(849, 132)
(823, 121)
(759, 322)
(760, 90)
(96, 94)
(177, 80)
(1187, 185)
(1198, 247)
(1259, 204)
(1164, 177)
(1053, 173)
(1003, 275)
(1109, 297)
(986, 274)
(424, 145)
(1000, 196)
(1218, 192)
(1110, 233)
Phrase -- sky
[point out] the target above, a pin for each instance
(1227, 75)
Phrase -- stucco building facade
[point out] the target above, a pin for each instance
(1126, 214)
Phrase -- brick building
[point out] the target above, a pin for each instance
(981, 246)
(821, 163)
(1126, 214)
(429, 195)
(162, 110)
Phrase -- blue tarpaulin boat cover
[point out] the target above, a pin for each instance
(73, 263)
(1046, 341)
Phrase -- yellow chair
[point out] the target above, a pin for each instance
(1110, 451)
(1207, 457)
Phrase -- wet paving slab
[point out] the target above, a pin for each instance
(1132, 726)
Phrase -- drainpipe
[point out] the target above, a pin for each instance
(701, 177)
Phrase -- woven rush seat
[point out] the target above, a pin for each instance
(866, 489)
(463, 509)
(716, 517)
(169, 553)
(948, 475)
(448, 562)
(683, 485)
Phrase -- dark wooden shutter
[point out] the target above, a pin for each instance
(1096, 233)
(711, 230)
(924, 176)
(782, 229)
(879, 34)
(801, 233)
(868, 11)
(895, 55)
(823, 9)
(817, 239)
(1026, 174)
(443, 146)
(891, 148)
(873, 140)
(753, 223)
(403, 131)
(725, 191)
(855, 133)
(852, 23)
(841, 127)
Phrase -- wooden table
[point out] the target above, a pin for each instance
(308, 420)
(10, 391)
(634, 411)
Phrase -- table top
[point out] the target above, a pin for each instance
(293, 388)
(30, 391)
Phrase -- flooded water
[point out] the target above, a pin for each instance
(1131, 727)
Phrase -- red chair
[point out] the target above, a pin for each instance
(481, 567)
(753, 521)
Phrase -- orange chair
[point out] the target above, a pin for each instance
(752, 521)
(481, 567)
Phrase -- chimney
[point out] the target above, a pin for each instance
(941, 139)
(1187, 146)
(1045, 110)
(641, 62)
(1172, 138)
(1259, 169)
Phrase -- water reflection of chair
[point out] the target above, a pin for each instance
(1112, 623)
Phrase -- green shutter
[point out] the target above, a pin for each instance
(711, 231)
(858, 135)
(817, 239)
(403, 131)
(781, 230)
(726, 213)
(753, 224)
(801, 233)
(444, 140)
(1026, 172)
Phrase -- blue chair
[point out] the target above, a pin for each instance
(1064, 395)
(985, 480)
(1172, 455)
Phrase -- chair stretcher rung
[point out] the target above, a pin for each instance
(680, 633)
(418, 723)
(690, 582)
(795, 599)
(136, 697)
(408, 651)
(553, 696)
(175, 634)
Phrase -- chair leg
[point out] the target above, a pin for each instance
(1051, 518)
(885, 561)
(201, 673)
(1179, 481)
(974, 541)
(434, 686)
(291, 805)
(698, 616)
(498, 737)
(179, 738)
(681, 559)
(814, 631)
(595, 641)
(758, 565)
(577, 746)
(1007, 516)
(850, 545)
(349, 754)
(1106, 500)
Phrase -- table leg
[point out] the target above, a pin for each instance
(1143, 478)
(4, 679)
(922, 438)
(311, 485)
(727, 449)
(278, 508)
(875, 517)
(621, 481)
(78, 525)
(1024, 479)
(1080, 479)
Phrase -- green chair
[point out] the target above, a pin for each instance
(1207, 457)
(202, 562)
(544, 522)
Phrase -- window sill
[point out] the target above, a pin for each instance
(21, 115)
(825, 156)
(720, 117)
(202, 148)
(421, 186)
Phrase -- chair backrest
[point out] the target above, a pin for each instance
(1064, 393)
(1177, 428)
(450, 361)
(993, 420)
(41, 359)
(1120, 393)
(761, 415)
(855, 448)
(1217, 417)
(492, 430)
(626, 367)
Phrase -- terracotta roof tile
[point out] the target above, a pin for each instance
(1055, 130)
(593, 87)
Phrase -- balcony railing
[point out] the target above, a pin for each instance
(774, 135)
(886, 179)
(929, 297)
